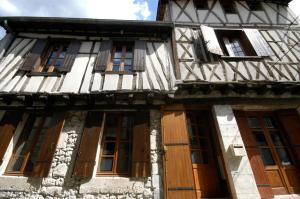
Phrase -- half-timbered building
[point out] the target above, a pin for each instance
(201, 103)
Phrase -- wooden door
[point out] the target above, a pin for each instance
(269, 142)
(206, 176)
(178, 174)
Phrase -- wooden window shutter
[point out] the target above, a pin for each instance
(43, 162)
(86, 156)
(211, 40)
(259, 44)
(34, 57)
(139, 57)
(103, 56)
(141, 147)
(290, 121)
(179, 177)
(8, 126)
(71, 53)
(254, 156)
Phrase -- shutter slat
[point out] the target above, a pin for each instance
(139, 59)
(85, 160)
(259, 44)
(8, 126)
(70, 56)
(103, 56)
(43, 163)
(211, 40)
(141, 148)
(34, 57)
(179, 177)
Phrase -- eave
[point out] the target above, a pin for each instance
(84, 26)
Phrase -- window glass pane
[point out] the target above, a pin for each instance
(110, 133)
(260, 139)
(109, 148)
(205, 157)
(203, 143)
(106, 164)
(128, 62)
(276, 138)
(122, 164)
(127, 128)
(284, 156)
(58, 63)
(196, 157)
(129, 49)
(201, 131)
(119, 49)
(53, 54)
(115, 68)
(128, 55)
(118, 55)
(127, 68)
(49, 62)
(16, 163)
(194, 142)
(270, 122)
(267, 156)
(190, 129)
(62, 55)
(117, 62)
(253, 122)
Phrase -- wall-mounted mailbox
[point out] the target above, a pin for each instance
(238, 150)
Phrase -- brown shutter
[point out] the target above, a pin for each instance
(34, 57)
(70, 56)
(8, 126)
(179, 180)
(141, 147)
(103, 56)
(290, 122)
(43, 163)
(139, 57)
(86, 156)
(254, 156)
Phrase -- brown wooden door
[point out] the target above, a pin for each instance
(179, 180)
(206, 176)
(266, 142)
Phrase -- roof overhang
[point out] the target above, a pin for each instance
(85, 26)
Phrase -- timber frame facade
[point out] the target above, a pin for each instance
(202, 103)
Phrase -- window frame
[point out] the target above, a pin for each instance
(117, 142)
(229, 7)
(124, 46)
(31, 147)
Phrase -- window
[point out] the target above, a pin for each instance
(201, 4)
(53, 57)
(121, 57)
(115, 154)
(35, 147)
(235, 43)
(228, 6)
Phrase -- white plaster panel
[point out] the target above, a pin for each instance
(85, 47)
(110, 82)
(127, 82)
(73, 79)
(88, 75)
(33, 84)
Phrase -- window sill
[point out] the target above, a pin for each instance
(242, 58)
(120, 72)
(45, 74)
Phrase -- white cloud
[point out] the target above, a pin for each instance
(103, 9)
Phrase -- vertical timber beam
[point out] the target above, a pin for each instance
(175, 55)
(239, 173)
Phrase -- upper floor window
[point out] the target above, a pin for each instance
(201, 4)
(255, 6)
(121, 57)
(53, 58)
(235, 42)
(228, 6)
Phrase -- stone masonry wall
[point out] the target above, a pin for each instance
(60, 184)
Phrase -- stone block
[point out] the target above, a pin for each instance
(60, 170)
